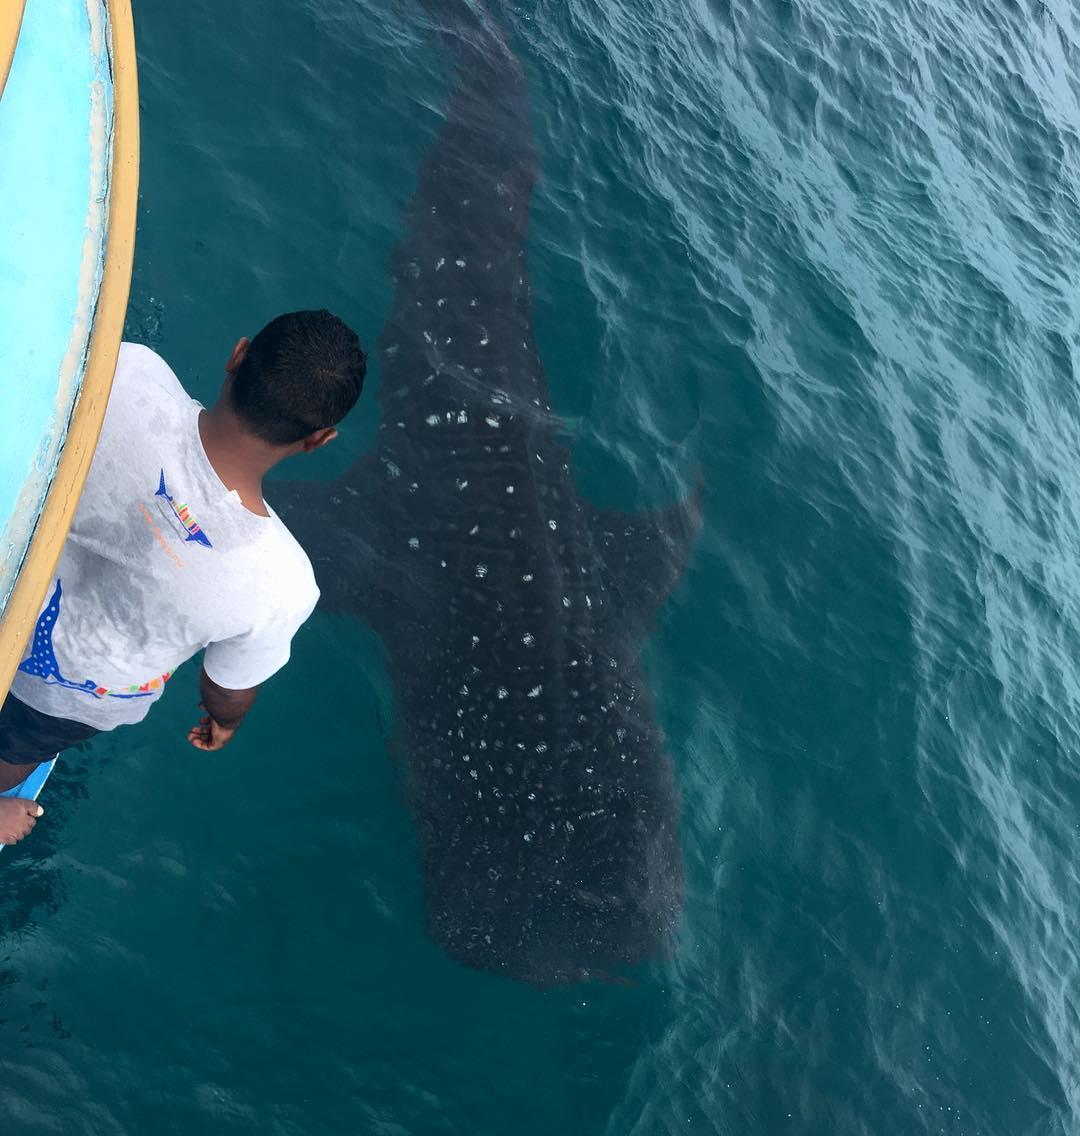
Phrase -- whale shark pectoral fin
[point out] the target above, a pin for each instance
(645, 553)
(341, 528)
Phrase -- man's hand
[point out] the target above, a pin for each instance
(223, 709)
(209, 735)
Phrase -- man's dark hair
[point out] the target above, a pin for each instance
(302, 372)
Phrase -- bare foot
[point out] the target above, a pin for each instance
(17, 818)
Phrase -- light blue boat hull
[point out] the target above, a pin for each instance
(56, 139)
(29, 789)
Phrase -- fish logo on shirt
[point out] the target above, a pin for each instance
(42, 663)
(191, 529)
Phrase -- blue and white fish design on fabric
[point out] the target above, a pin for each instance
(41, 662)
(190, 529)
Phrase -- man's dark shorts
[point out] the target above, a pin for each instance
(27, 736)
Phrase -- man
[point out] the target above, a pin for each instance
(173, 548)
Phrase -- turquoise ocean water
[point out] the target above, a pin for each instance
(823, 252)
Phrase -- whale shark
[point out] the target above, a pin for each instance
(512, 611)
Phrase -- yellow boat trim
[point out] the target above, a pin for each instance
(34, 578)
(11, 14)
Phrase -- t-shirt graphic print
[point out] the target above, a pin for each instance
(41, 662)
(189, 527)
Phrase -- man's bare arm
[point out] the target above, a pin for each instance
(225, 710)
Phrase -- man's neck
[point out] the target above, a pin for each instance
(239, 458)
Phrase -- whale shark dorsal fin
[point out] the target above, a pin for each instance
(645, 554)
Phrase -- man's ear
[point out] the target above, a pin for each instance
(238, 353)
(318, 438)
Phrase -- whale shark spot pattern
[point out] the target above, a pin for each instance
(565, 860)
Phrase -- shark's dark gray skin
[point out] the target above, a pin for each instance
(512, 611)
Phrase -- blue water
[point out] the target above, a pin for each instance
(821, 252)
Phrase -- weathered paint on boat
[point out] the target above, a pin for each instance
(68, 190)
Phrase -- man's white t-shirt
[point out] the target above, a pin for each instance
(162, 560)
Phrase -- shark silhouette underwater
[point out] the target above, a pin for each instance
(512, 611)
